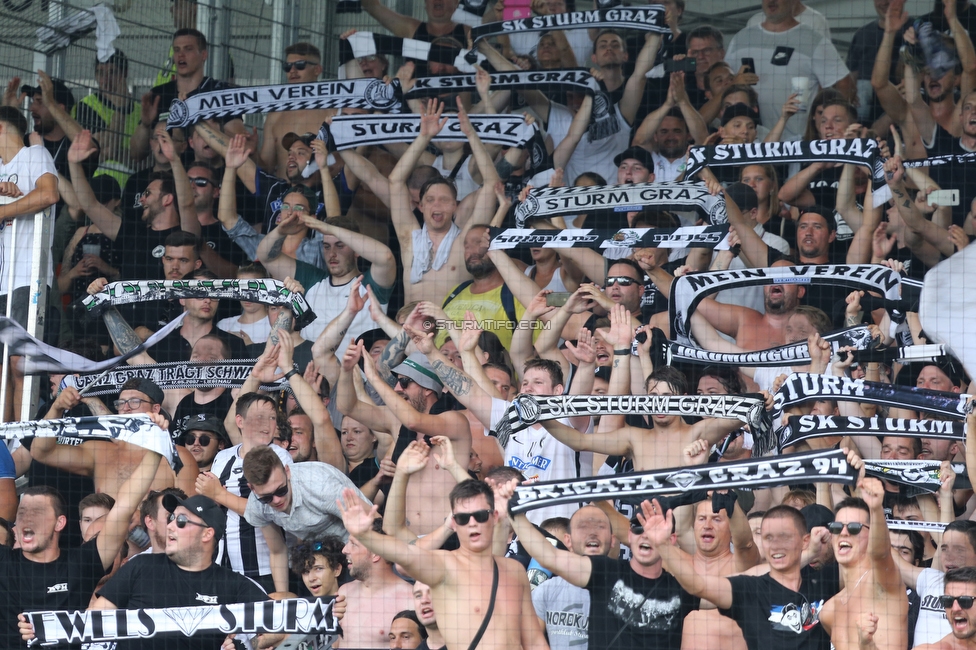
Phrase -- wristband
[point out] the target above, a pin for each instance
(621, 353)
(291, 373)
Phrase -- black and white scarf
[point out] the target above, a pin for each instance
(175, 375)
(858, 151)
(688, 290)
(350, 131)
(646, 19)
(578, 80)
(363, 44)
(371, 94)
(135, 429)
(265, 291)
(295, 616)
(808, 467)
(713, 237)
(917, 526)
(804, 427)
(915, 477)
(526, 410)
(802, 387)
(677, 196)
(939, 161)
(469, 12)
(793, 353)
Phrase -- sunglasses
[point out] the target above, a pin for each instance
(480, 516)
(314, 548)
(405, 382)
(280, 493)
(966, 602)
(301, 64)
(200, 181)
(190, 439)
(622, 280)
(182, 521)
(837, 527)
(636, 528)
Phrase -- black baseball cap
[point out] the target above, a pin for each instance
(62, 94)
(202, 507)
(291, 138)
(816, 515)
(636, 153)
(743, 196)
(146, 386)
(106, 188)
(208, 422)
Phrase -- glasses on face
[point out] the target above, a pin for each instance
(367, 59)
(966, 602)
(480, 516)
(854, 527)
(190, 439)
(146, 194)
(183, 520)
(405, 382)
(293, 208)
(133, 403)
(280, 493)
(300, 64)
(622, 280)
(200, 181)
(636, 528)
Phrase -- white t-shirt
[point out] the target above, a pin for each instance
(24, 170)
(258, 331)
(781, 56)
(328, 301)
(597, 155)
(540, 457)
(932, 623)
(809, 17)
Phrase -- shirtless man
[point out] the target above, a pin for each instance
(407, 415)
(110, 463)
(461, 581)
(273, 156)
(959, 584)
(430, 272)
(706, 628)
(655, 448)
(375, 594)
(873, 583)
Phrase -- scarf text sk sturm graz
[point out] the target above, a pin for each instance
(675, 196)
(802, 387)
(858, 151)
(808, 467)
(648, 18)
(804, 427)
(350, 131)
(571, 79)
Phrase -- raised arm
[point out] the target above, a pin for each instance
(879, 543)
(101, 216)
(427, 566)
(349, 403)
(383, 267)
(327, 344)
(219, 141)
(324, 435)
(130, 495)
(715, 589)
(891, 100)
(634, 88)
(484, 207)
(397, 24)
(413, 459)
(271, 249)
(616, 443)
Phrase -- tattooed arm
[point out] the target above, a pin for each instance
(270, 250)
(392, 355)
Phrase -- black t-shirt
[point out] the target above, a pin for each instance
(25, 586)
(952, 177)
(213, 235)
(187, 409)
(144, 250)
(167, 92)
(153, 580)
(772, 616)
(646, 614)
